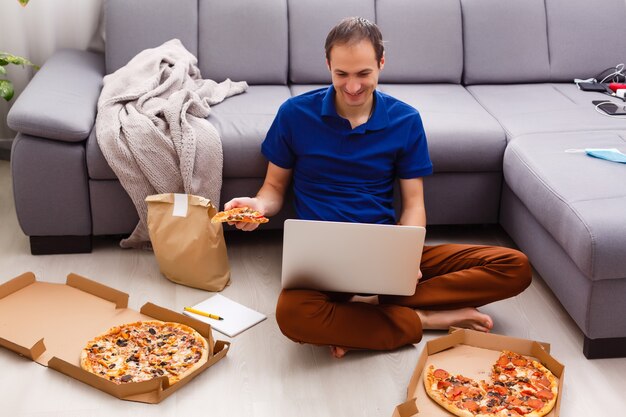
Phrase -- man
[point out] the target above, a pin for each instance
(344, 146)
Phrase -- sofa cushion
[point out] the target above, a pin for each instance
(538, 108)
(112, 210)
(97, 166)
(505, 41)
(578, 199)
(309, 23)
(132, 26)
(584, 37)
(423, 43)
(297, 89)
(462, 136)
(243, 40)
(243, 122)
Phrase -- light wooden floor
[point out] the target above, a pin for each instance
(265, 374)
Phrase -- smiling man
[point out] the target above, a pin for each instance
(355, 70)
(344, 146)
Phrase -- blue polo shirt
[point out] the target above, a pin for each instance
(345, 174)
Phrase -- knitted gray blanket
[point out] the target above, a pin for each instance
(152, 129)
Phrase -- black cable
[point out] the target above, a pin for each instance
(618, 77)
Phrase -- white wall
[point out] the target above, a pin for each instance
(39, 29)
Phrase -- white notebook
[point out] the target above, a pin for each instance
(236, 317)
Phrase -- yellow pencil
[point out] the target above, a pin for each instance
(203, 313)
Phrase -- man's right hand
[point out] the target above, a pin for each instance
(253, 203)
(268, 200)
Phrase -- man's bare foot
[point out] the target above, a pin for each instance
(468, 318)
(338, 352)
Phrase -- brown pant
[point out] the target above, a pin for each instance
(454, 276)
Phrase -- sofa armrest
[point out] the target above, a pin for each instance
(60, 101)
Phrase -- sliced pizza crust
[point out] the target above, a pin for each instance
(438, 394)
(203, 358)
(239, 214)
(552, 389)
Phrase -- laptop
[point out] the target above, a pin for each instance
(351, 257)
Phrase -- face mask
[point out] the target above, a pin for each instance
(609, 154)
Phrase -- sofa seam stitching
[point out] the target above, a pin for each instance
(545, 14)
(588, 308)
(508, 134)
(553, 85)
(599, 199)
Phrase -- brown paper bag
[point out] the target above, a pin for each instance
(189, 248)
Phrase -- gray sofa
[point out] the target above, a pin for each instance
(491, 78)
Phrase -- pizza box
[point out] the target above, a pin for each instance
(472, 354)
(50, 324)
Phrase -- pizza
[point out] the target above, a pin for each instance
(145, 350)
(519, 386)
(239, 214)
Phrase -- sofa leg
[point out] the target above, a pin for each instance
(604, 348)
(54, 245)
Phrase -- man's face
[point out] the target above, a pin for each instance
(355, 72)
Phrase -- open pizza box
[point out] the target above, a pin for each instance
(471, 354)
(51, 323)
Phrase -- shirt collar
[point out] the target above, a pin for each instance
(328, 103)
(378, 120)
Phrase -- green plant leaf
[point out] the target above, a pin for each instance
(6, 89)
(3, 70)
(14, 59)
(23, 2)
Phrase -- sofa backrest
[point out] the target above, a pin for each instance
(426, 41)
(243, 40)
(423, 40)
(132, 26)
(309, 23)
(238, 39)
(505, 41)
(585, 37)
(520, 41)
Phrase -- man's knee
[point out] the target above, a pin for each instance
(518, 271)
(285, 309)
(292, 312)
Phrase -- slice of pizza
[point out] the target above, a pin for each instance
(533, 388)
(459, 395)
(239, 214)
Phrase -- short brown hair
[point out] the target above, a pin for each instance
(353, 30)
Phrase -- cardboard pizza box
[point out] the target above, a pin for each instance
(472, 354)
(50, 324)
